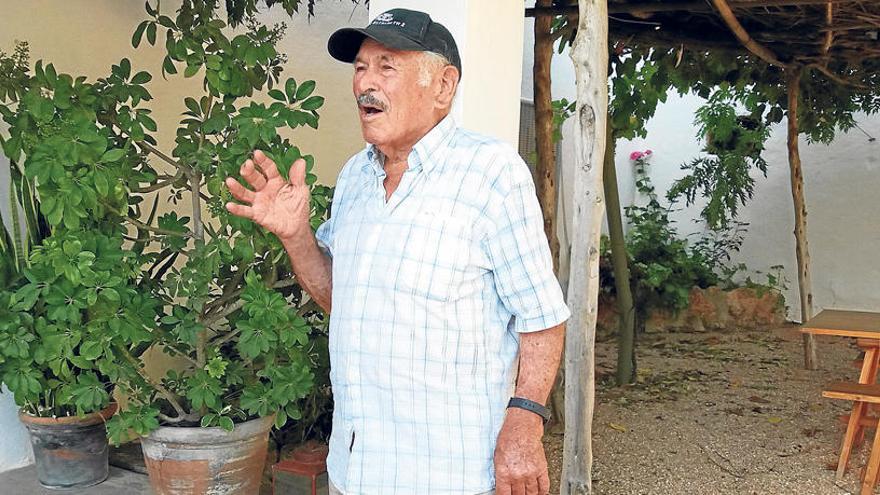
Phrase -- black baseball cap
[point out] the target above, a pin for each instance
(400, 29)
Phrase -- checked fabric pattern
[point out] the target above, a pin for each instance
(430, 292)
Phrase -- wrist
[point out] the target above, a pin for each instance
(520, 419)
(297, 237)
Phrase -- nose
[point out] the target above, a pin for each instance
(364, 81)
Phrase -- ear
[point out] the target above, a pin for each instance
(447, 82)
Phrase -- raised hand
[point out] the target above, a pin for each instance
(281, 206)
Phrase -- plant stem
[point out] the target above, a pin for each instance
(180, 353)
(157, 230)
(238, 305)
(195, 183)
(167, 159)
(181, 414)
(228, 294)
(161, 184)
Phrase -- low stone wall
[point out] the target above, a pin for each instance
(709, 309)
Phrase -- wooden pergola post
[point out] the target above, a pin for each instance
(544, 146)
(793, 74)
(802, 250)
(590, 57)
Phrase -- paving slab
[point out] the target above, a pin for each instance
(23, 481)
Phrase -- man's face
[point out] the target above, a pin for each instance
(394, 109)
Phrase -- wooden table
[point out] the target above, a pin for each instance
(858, 324)
(864, 326)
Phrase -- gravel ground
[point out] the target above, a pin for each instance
(720, 413)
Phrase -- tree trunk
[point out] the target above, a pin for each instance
(805, 286)
(546, 167)
(626, 355)
(544, 146)
(589, 55)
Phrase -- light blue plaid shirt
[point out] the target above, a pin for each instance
(430, 291)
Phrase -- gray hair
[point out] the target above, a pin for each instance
(429, 63)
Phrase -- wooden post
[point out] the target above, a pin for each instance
(546, 150)
(626, 356)
(545, 167)
(590, 57)
(805, 286)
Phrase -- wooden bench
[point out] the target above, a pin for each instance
(861, 394)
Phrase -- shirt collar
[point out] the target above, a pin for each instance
(424, 154)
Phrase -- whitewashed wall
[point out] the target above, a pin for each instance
(16, 451)
(841, 182)
(15, 447)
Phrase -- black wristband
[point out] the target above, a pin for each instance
(531, 406)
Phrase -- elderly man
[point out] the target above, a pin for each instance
(446, 326)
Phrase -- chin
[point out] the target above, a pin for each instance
(372, 136)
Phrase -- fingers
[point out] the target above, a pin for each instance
(240, 210)
(518, 488)
(253, 176)
(502, 488)
(270, 170)
(297, 173)
(544, 483)
(532, 487)
(238, 191)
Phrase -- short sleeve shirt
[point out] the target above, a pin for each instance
(431, 290)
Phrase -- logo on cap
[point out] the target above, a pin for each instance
(387, 19)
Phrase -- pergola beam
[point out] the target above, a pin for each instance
(742, 35)
(687, 5)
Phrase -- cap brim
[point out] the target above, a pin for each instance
(345, 43)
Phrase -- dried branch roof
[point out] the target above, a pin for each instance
(796, 31)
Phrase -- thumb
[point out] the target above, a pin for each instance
(297, 173)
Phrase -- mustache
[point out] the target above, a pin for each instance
(367, 99)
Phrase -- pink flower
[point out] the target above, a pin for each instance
(648, 152)
(635, 155)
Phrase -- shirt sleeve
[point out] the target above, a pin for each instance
(324, 236)
(519, 254)
(327, 231)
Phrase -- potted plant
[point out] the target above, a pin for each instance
(232, 315)
(67, 284)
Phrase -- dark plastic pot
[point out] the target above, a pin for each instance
(207, 461)
(70, 452)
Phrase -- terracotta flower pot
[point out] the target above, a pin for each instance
(201, 461)
(70, 452)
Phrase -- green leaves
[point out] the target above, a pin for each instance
(89, 394)
(202, 390)
(212, 419)
(305, 89)
(142, 419)
(78, 319)
(139, 33)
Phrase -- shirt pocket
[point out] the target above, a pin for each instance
(434, 257)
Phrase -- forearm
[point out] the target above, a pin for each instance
(539, 356)
(311, 266)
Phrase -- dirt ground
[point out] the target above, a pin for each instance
(720, 413)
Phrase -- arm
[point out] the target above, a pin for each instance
(520, 463)
(311, 267)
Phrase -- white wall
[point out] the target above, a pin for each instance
(841, 181)
(16, 447)
(488, 95)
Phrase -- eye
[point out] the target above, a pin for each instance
(387, 67)
(360, 68)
